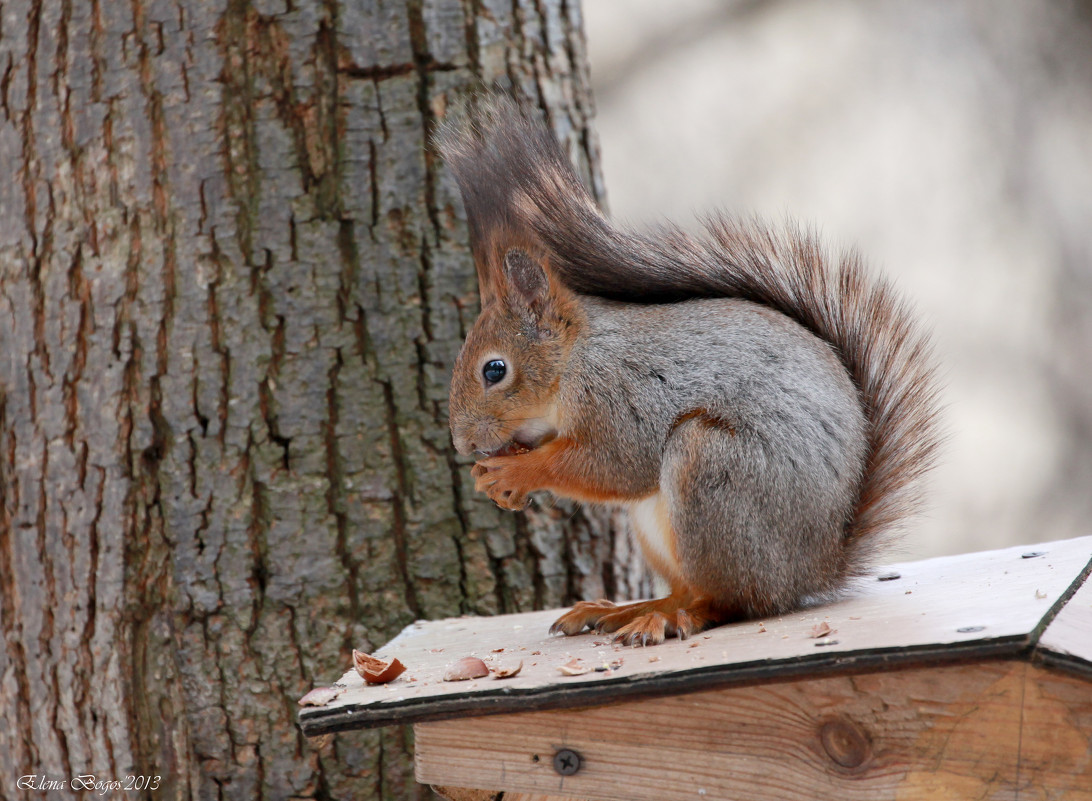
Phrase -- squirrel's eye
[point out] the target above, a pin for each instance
(494, 371)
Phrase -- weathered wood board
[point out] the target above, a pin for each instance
(1068, 638)
(994, 729)
(983, 605)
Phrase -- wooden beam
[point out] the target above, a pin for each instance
(994, 729)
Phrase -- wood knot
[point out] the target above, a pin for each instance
(845, 742)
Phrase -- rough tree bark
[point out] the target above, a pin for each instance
(232, 283)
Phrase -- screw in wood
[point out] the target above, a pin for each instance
(1031, 554)
(894, 574)
(846, 743)
(566, 762)
(969, 629)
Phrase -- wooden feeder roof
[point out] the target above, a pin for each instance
(1029, 603)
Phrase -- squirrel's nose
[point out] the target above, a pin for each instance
(463, 445)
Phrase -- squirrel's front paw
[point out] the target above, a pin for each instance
(498, 477)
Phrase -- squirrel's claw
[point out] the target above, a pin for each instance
(584, 614)
(648, 629)
(498, 477)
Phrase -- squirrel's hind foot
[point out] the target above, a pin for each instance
(640, 623)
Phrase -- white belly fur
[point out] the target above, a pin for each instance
(650, 520)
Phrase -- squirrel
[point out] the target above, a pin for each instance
(763, 410)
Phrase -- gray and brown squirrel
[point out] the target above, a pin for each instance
(764, 412)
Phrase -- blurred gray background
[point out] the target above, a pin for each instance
(951, 142)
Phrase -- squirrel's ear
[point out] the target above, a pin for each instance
(527, 279)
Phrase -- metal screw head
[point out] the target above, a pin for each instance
(894, 574)
(969, 629)
(566, 762)
(1031, 554)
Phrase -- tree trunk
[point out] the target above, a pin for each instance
(233, 279)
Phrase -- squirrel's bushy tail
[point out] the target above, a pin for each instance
(514, 177)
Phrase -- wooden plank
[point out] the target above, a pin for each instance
(1068, 638)
(973, 605)
(468, 794)
(923, 733)
(1056, 736)
(465, 793)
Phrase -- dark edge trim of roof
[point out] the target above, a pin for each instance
(322, 720)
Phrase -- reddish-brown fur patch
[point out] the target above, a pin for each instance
(707, 418)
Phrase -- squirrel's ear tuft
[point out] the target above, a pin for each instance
(526, 278)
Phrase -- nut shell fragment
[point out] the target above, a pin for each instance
(507, 672)
(469, 667)
(513, 449)
(821, 630)
(374, 670)
(574, 667)
(320, 696)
